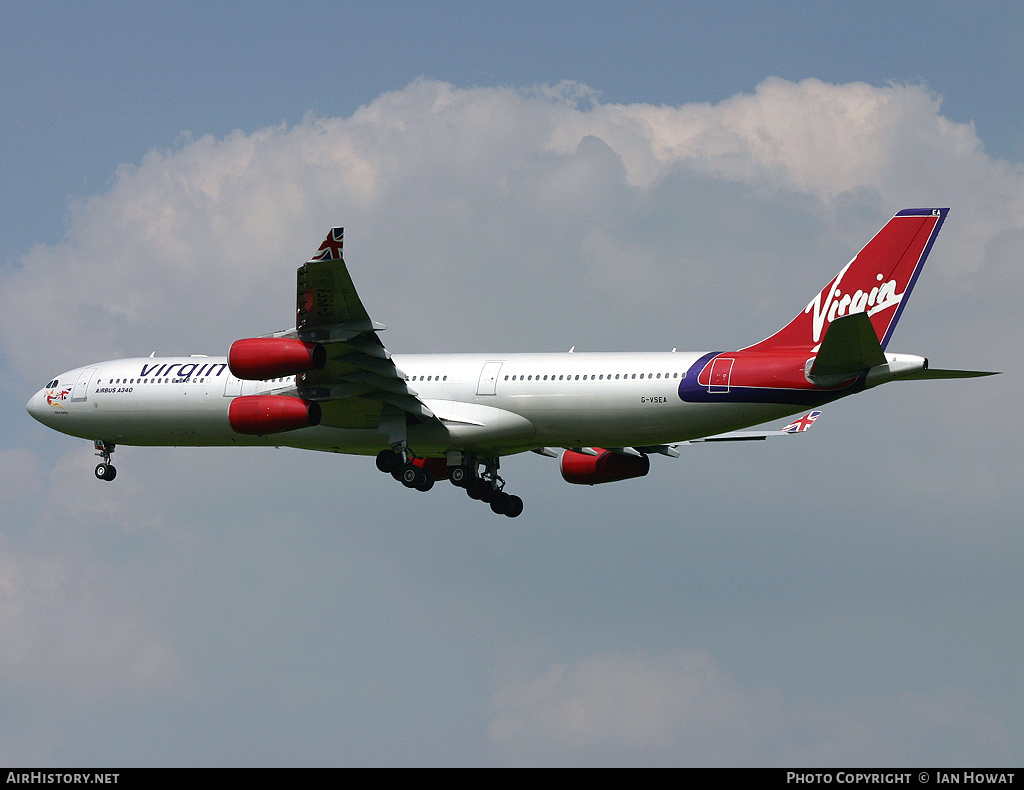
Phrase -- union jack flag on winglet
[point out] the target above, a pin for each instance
(803, 423)
(330, 250)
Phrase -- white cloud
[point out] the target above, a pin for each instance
(19, 473)
(461, 199)
(613, 706)
(680, 708)
(69, 639)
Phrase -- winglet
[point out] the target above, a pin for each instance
(331, 249)
(803, 424)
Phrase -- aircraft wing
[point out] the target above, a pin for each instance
(359, 387)
(798, 426)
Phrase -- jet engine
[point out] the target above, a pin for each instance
(605, 467)
(259, 358)
(257, 415)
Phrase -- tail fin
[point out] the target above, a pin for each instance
(877, 281)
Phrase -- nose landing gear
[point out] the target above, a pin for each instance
(105, 470)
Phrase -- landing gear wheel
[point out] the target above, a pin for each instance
(477, 488)
(514, 506)
(388, 460)
(500, 502)
(460, 476)
(409, 475)
(426, 481)
(105, 472)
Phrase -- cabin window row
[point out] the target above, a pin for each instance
(592, 377)
(201, 380)
(153, 381)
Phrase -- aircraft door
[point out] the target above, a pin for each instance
(721, 372)
(489, 378)
(80, 391)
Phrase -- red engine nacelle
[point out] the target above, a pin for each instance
(257, 415)
(605, 467)
(258, 358)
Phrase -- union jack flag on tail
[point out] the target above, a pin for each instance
(331, 249)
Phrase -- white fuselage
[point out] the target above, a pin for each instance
(495, 404)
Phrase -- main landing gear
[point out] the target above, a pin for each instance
(401, 467)
(105, 470)
(420, 473)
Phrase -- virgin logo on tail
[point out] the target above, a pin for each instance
(877, 281)
(881, 297)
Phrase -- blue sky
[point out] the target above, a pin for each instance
(522, 176)
(92, 86)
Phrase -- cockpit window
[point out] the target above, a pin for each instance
(51, 385)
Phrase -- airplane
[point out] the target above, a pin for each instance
(330, 384)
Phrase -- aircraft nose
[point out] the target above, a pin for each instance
(36, 405)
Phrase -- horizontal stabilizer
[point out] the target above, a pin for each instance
(850, 346)
(931, 373)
